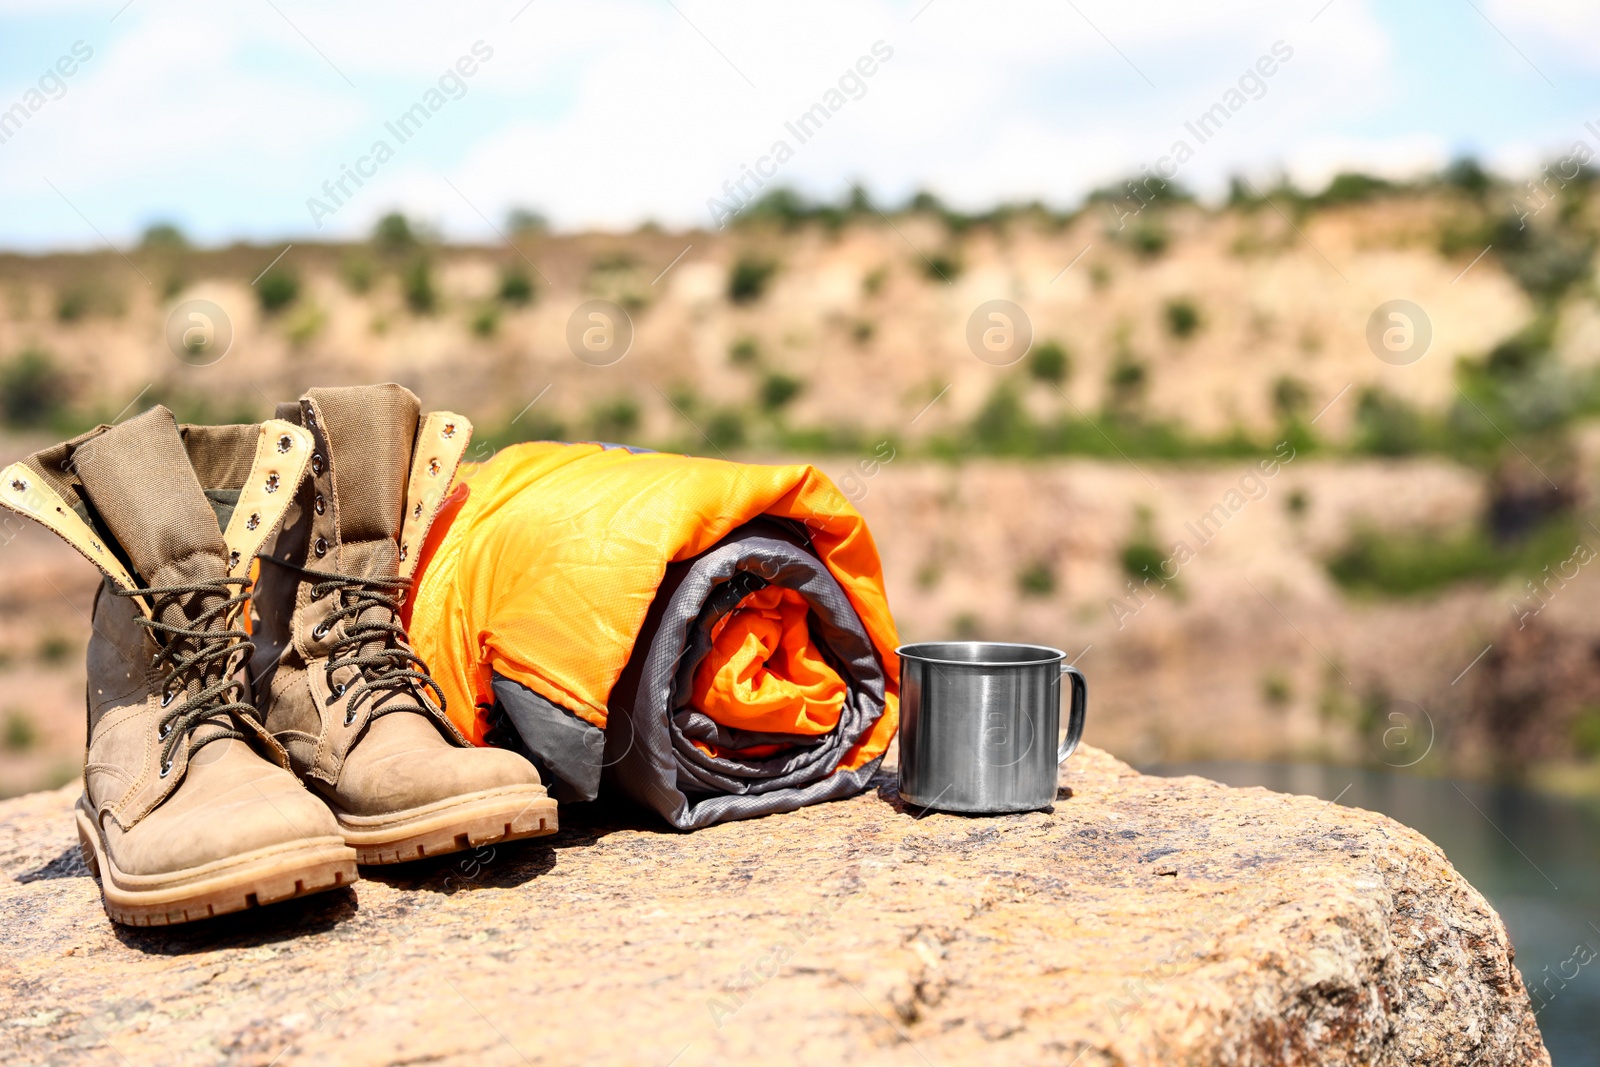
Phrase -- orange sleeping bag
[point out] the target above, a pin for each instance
(712, 637)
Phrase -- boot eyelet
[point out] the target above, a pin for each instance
(349, 716)
(317, 463)
(273, 481)
(233, 558)
(19, 485)
(161, 734)
(166, 768)
(320, 504)
(416, 512)
(285, 443)
(166, 698)
(321, 547)
(434, 468)
(253, 521)
(449, 431)
(404, 549)
(321, 631)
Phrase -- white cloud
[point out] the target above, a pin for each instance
(1565, 26)
(606, 113)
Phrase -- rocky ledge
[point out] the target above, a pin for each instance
(1142, 921)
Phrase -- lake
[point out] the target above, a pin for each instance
(1536, 857)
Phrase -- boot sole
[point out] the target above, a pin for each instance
(452, 825)
(249, 880)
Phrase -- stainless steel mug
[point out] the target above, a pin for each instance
(978, 724)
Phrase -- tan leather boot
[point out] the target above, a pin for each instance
(336, 680)
(188, 807)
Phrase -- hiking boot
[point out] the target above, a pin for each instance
(188, 809)
(337, 682)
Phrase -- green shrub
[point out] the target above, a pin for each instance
(1149, 238)
(1141, 189)
(1242, 194)
(1387, 425)
(520, 221)
(1551, 266)
(486, 321)
(20, 733)
(1289, 397)
(277, 289)
(745, 352)
(1586, 733)
(1465, 234)
(1523, 351)
(1411, 563)
(1127, 381)
(1037, 579)
(1546, 260)
(165, 236)
(394, 234)
(725, 428)
(613, 262)
(417, 285)
(779, 390)
(358, 272)
(85, 297)
(747, 282)
(616, 419)
(1467, 175)
(783, 206)
(516, 288)
(54, 650)
(1002, 425)
(1351, 188)
(1142, 558)
(1400, 565)
(1049, 362)
(861, 331)
(33, 390)
(942, 267)
(684, 398)
(1276, 689)
(872, 281)
(72, 304)
(1183, 318)
(305, 324)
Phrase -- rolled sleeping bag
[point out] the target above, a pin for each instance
(711, 639)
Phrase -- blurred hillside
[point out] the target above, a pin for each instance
(1354, 530)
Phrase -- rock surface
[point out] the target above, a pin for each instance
(1142, 921)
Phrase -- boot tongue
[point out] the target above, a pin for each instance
(371, 431)
(138, 478)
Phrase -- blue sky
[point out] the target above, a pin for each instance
(228, 121)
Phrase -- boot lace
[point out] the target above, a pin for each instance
(375, 645)
(197, 655)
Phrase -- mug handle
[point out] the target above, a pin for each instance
(1080, 706)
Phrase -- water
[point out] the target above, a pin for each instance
(1535, 857)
